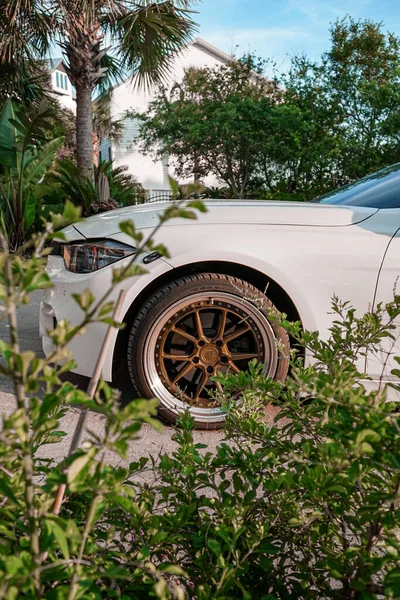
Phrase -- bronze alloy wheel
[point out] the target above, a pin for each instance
(193, 329)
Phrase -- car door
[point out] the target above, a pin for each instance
(380, 363)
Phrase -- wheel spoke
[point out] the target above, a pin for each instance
(243, 356)
(199, 325)
(204, 335)
(184, 334)
(181, 357)
(222, 324)
(201, 386)
(236, 334)
(234, 368)
(182, 373)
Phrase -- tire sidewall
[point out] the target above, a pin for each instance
(183, 288)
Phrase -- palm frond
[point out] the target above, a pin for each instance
(26, 31)
(115, 73)
(103, 123)
(150, 36)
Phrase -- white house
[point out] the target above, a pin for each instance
(61, 85)
(153, 175)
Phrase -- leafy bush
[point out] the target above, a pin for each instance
(78, 190)
(121, 188)
(124, 188)
(305, 506)
(80, 552)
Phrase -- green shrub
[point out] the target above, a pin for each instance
(122, 189)
(305, 506)
(81, 551)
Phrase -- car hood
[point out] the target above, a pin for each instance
(224, 212)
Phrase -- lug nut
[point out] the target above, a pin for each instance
(196, 360)
(224, 359)
(218, 343)
(210, 370)
(201, 343)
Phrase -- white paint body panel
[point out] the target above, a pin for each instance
(381, 363)
(312, 251)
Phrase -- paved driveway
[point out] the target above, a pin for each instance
(150, 441)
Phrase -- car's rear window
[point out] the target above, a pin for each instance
(379, 190)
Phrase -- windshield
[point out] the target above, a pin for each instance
(379, 190)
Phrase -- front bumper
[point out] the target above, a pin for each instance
(58, 304)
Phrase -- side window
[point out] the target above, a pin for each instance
(380, 190)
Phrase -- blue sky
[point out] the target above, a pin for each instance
(277, 29)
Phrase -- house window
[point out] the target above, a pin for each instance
(61, 81)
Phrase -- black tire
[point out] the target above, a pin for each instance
(193, 320)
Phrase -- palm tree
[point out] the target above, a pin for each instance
(143, 35)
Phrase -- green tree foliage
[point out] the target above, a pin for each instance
(213, 123)
(346, 108)
(321, 125)
(363, 71)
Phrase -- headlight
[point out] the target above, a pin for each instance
(91, 256)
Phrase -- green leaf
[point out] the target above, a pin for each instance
(106, 309)
(368, 435)
(29, 212)
(85, 300)
(8, 135)
(214, 545)
(392, 583)
(128, 227)
(42, 189)
(122, 273)
(59, 534)
(7, 491)
(172, 570)
(78, 465)
(198, 205)
(40, 165)
(174, 186)
(14, 565)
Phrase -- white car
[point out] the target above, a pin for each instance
(205, 308)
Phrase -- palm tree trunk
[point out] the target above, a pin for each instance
(84, 132)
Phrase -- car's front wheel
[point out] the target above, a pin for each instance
(195, 327)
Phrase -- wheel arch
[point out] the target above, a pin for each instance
(275, 292)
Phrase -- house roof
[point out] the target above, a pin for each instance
(210, 49)
(199, 43)
(52, 63)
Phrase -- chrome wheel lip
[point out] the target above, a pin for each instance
(167, 399)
